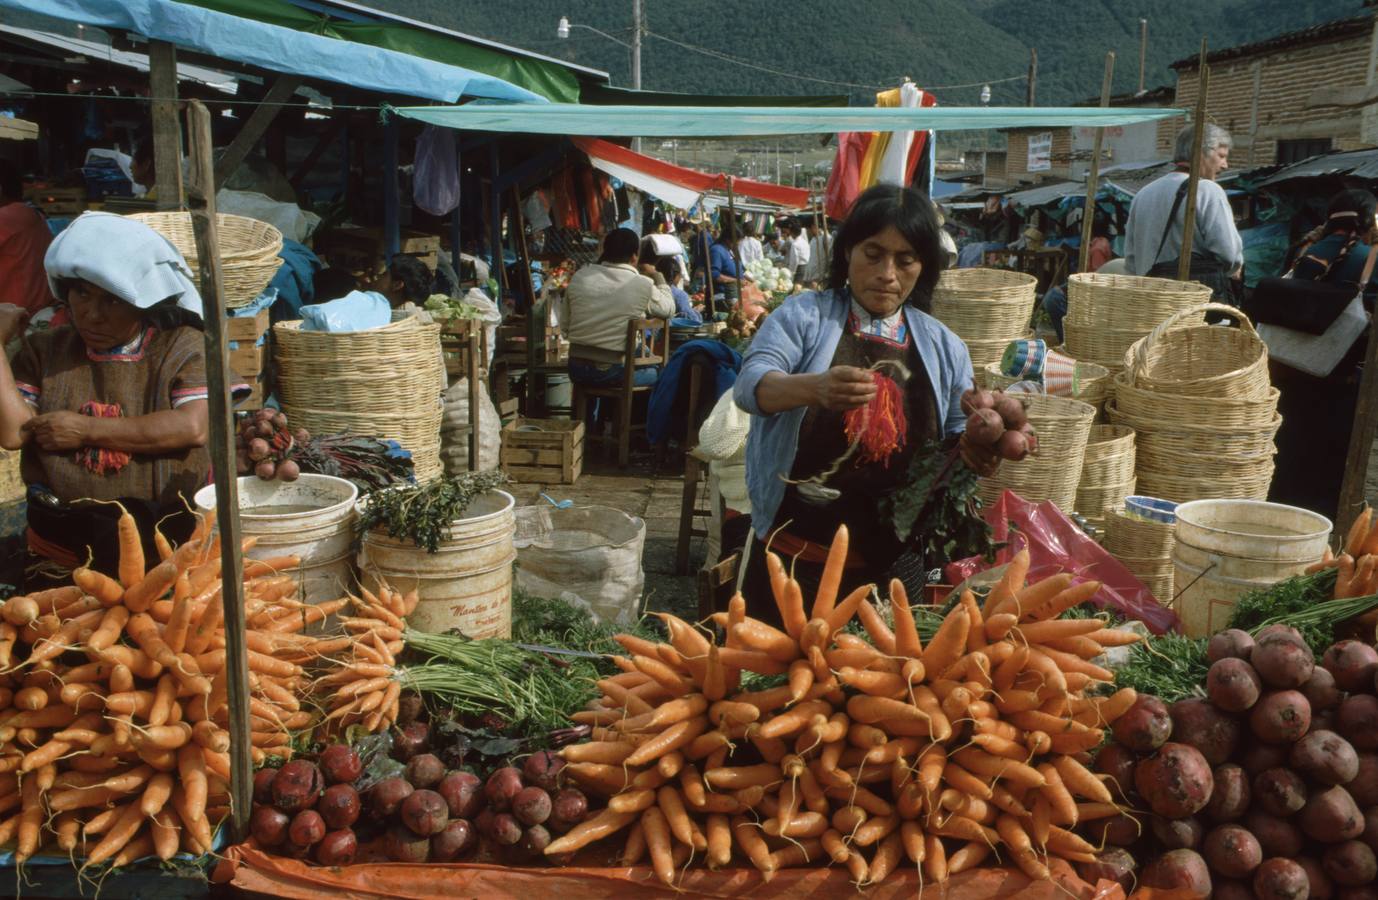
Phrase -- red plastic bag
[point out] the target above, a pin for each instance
(1057, 545)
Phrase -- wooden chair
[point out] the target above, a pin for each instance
(716, 584)
(465, 344)
(640, 352)
(695, 472)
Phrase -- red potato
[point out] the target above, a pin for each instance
(425, 812)
(1330, 816)
(1326, 757)
(1321, 691)
(339, 806)
(1176, 781)
(340, 764)
(269, 826)
(386, 796)
(1357, 721)
(1352, 663)
(463, 791)
(1145, 726)
(1280, 717)
(1115, 864)
(1277, 837)
(1232, 684)
(1279, 792)
(1231, 796)
(458, 840)
(1178, 834)
(1322, 888)
(1282, 664)
(502, 786)
(1364, 786)
(984, 427)
(1198, 724)
(1280, 879)
(1232, 643)
(337, 848)
(1350, 863)
(1183, 870)
(1117, 761)
(307, 828)
(404, 845)
(425, 770)
(297, 786)
(1232, 851)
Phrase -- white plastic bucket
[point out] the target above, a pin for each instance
(318, 527)
(467, 583)
(1227, 548)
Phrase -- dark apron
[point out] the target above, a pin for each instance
(89, 529)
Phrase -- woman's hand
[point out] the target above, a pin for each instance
(57, 431)
(13, 321)
(984, 461)
(844, 387)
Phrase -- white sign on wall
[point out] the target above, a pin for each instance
(1040, 152)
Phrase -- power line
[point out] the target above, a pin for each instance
(750, 65)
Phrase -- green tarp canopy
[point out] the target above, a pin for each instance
(607, 95)
(714, 121)
(549, 79)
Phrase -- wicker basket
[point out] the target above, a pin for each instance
(1136, 538)
(1063, 426)
(1247, 481)
(1135, 402)
(1107, 472)
(1129, 302)
(1094, 382)
(11, 479)
(385, 382)
(1201, 360)
(986, 353)
(248, 251)
(985, 304)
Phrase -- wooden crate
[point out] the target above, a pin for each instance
(246, 361)
(257, 395)
(552, 455)
(18, 129)
(61, 202)
(512, 344)
(246, 328)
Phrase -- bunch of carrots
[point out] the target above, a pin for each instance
(364, 687)
(1356, 568)
(873, 753)
(113, 713)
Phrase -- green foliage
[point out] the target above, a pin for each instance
(937, 509)
(1170, 666)
(423, 513)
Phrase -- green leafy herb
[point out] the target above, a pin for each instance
(423, 514)
(1170, 666)
(938, 509)
(1303, 602)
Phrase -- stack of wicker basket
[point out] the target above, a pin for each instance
(248, 251)
(1202, 408)
(1107, 472)
(1063, 426)
(1144, 547)
(385, 382)
(1094, 382)
(1108, 313)
(986, 308)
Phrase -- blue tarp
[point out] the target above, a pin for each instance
(277, 49)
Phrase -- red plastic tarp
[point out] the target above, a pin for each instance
(253, 870)
(688, 179)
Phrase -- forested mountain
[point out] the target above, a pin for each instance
(827, 46)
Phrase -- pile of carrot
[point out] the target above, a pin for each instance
(113, 714)
(364, 687)
(875, 752)
(1356, 568)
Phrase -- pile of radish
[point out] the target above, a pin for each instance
(1267, 787)
(997, 420)
(264, 446)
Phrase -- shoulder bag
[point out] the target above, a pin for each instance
(1303, 304)
(1319, 354)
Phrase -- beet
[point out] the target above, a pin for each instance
(463, 791)
(425, 770)
(1181, 869)
(404, 845)
(1145, 725)
(1357, 721)
(339, 806)
(1175, 781)
(1280, 717)
(1283, 664)
(531, 806)
(263, 785)
(1281, 879)
(1231, 795)
(1232, 643)
(340, 764)
(307, 828)
(1325, 757)
(1233, 685)
(1232, 851)
(1120, 831)
(1198, 724)
(387, 795)
(410, 740)
(1370, 832)
(289, 470)
(1364, 787)
(502, 786)
(506, 829)
(1350, 863)
(1352, 663)
(534, 841)
(1279, 633)
(457, 840)
(1224, 889)
(425, 812)
(297, 786)
(1178, 834)
(568, 809)
(1322, 888)
(1277, 837)
(409, 708)
(1321, 691)
(1330, 816)
(1117, 761)
(1279, 792)
(984, 427)
(268, 826)
(483, 822)
(542, 769)
(337, 848)
(1259, 757)
(1114, 864)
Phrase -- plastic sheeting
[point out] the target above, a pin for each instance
(677, 185)
(252, 870)
(279, 49)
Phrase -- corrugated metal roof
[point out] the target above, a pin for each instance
(1351, 163)
(1314, 34)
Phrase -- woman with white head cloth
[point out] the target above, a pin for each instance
(111, 406)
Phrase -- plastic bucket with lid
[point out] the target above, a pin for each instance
(467, 583)
(312, 517)
(1227, 548)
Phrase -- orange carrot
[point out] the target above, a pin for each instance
(949, 644)
(907, 643)
(830, 580)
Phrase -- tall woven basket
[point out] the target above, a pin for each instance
(248, 251)
(1201, 360)
(1145, 549)
(385, 382)
(987, 308)
(1093, 382)
(1063, 427)
(1107, 472)
(1106, 314)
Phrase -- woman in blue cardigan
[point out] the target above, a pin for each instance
(825, 353)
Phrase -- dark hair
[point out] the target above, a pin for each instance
(646, 252)
(1350, 211)
(785, 225)
(11, 181)
(727, 230)
(748, 228)
(333, 283)
(620, 246)
(413, 275)
(913, 215)
(669, 267)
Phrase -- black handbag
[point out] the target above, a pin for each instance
(1300, 304)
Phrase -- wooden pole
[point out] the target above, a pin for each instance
(1143, 53)
(201, 201)
(1353, 486)
(392, 229)
(1088, 212)
(1198, 136)
(1033, 76)
(167, 131)
(255, 126)
(736, 254)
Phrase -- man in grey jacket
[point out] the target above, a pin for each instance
(1153, 236)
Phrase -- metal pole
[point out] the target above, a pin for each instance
(1194, 179)
(201, 201)
(1143, 52)
(1088, 212)
(637, 27)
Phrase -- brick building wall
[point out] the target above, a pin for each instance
(1017, 162)
(1261, 98)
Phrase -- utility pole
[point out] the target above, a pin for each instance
(638, 25)
(1143, 51)
(1033, 74)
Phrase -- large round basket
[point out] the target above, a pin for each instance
(985, 353)
(385, 382)
(11, 478)
(1129, 302)
(1063, 426)
(985, 304)
(1093, 381)
(1171, 410)
(248, 250)
(1129, 536)
(1107, 472)
(1201, 360)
